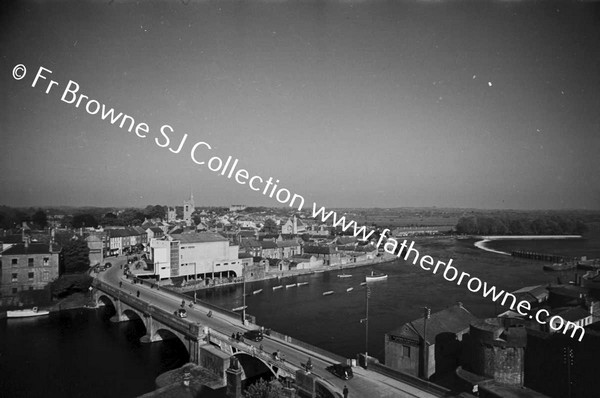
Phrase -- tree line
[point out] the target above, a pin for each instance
(521, 225)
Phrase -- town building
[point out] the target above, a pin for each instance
(28, 266)
(426, 346)
(293, 226)
(195, 255)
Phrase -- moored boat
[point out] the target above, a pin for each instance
(240, 308)
(277, 287)
(302, 283)
(344, 276)
(375, 277)
(560, 266)
(350, 289)
(290, 285)
(327, 293)
(26, 313)
(257, 291)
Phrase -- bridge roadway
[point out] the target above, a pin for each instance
(366, 383)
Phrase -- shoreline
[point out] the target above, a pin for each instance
(386, 258)
(481, 244)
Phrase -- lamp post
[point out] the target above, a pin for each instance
(426, 316)
(195, 282)
(243, 294)
(366, 321)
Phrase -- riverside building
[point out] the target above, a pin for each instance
(195, 256)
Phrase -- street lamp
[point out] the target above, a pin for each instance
(366, 321)
(243, 294)
(426, 316)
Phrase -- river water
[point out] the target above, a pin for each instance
(80, 353)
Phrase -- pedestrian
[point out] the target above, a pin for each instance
(120, 284)
(138, 293)
(345, 392)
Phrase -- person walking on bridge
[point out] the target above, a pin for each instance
(345, 391)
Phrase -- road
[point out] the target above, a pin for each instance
(365, 383)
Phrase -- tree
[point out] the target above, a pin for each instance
(264, 389)
(84, 221)
(270, 226)
(75, 254)
(156, 211)
(39, 219)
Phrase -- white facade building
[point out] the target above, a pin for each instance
(195, 255)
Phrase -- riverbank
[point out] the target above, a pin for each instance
(481, 244)
(384, 258)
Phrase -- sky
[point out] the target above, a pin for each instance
(475, 104)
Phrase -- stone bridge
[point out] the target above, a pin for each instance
(207, 347)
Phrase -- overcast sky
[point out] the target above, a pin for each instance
(348, 103)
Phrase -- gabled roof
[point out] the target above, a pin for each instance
(454, 319)
(320, 249)
(267, 244)
(32, 248)
(249, 243)
(287, 243)
(156, 230)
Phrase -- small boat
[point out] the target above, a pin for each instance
(290, 285)
(327, 293)
(277, 287)
(350, 289)
(559, 266)
(257, 291)
(240, 308)
(344, 276)
(375, 277)
(302, 283)
(363, 283)
(26, 313)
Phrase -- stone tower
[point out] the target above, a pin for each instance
(188, 209)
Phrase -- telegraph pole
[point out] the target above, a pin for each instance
(426, 316)
(366, 320)
(195, 282)
(243, 295)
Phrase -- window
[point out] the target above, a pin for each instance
(46, 261)
(30, 287)
(15, 290)
(30, 275)
(406, 351)
(15, 277)
(15, 261)
(30, 262)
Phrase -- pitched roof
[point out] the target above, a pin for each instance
(453, 319)
(199, 237)
(156, 230)
(320, 249)
(267, 244)
(32, 248)
(288, 243)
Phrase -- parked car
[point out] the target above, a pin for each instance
(254, 335)
(342, 371)
(181, 313)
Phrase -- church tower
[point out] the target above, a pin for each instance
(188, 209)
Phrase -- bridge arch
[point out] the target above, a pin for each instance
(167, 334)
(254, 365)
(103, 299)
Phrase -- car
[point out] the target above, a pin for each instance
(340, 370)
(181, 313)
(254, 335)
(107, 265)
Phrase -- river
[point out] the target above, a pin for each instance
(80, 353)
